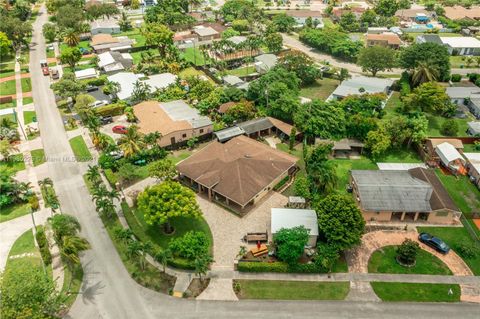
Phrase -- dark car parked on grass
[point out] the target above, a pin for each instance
(434, 242)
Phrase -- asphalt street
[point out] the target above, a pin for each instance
(109, 292)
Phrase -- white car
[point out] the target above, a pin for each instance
(99, 103)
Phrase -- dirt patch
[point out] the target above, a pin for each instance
(196, 287)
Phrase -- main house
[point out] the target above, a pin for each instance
(403, 195)
(361, 85)
(237, 173)
(386, 39)
(175, 120)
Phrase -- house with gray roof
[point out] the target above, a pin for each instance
(287, 218)
(233, 80)
(264, 62)
(474, 107)
(403, 195)
(428, 38)
(473, 128)
(460, 95)
(109, 26)
(361, 85)
(112, 62)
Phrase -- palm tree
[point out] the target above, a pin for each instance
(64, 225)
(70, 249)
(93, 174)
(163, 256)
(201, 265)
(124, 22)
(477, 61)
(323, 176)
(100, 191)
(137, 249)
(70, 37)
(7, 123)
(105, 207)
(132, 142)
(124, 234)
(424, 72)
(6, 149)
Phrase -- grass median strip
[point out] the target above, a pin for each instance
(399, 291)
(38, 156)
(290, 290)
(80, 149)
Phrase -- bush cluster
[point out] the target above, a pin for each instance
(43, 246)
(281, 267)
(190, 245)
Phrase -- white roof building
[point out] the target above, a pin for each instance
(127, 83)
(86, 74)
(160, 81)
(448, 154)
(361, 85)
(203, 31)
(290, 218)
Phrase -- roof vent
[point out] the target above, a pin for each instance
(248, 156)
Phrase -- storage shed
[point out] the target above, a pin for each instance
(290, 218)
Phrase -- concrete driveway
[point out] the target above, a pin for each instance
(117, 120)
(228, 229)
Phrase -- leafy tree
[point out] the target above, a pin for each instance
(301, 187)
(326, 257)
(407, 251)
(429, 97)
(291, 138)
(50, 31)
(229, 32)
(376, 58)
(160, 203)
(291, 243)
(264, 87)
(21, 10)
(6, 149)
(242, 111)
(141, 92)
(300, 63)
(163, 170)
(28, 293)
(283, 22)
(5, 45)
(16, 30)
(241, 25)
(64, 225)
(201, 264)
(70, 37)
(378, 142)
(348, 22)
(368, 18)
(339, 221)
(238, 9)
(273, 41)
(71, 56)
(284, 107)
(69, 16)
(386, 8)
(320, 119)
(68, 87)
(160, 36)
(173, 13)
(449, 127)
(190, 245)
(433, 54)
(124, 23)
(359, 125)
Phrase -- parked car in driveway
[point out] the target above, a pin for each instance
(119, 129)
(99, 103)
(106, 119)
(434, 242)
(91, 88)
(55, 74)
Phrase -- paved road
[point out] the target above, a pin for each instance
(109, 292)
(293, 43)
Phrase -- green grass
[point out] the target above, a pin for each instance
(23, 245)
(465, 195)
(321, 89)
(14, 163)
(12, 118)
(191, 71)
(343, 170)
(26, 85)
(6, 73)
(28, 116)
(194, 56)
(80, 149)
(179, 157)
(9, 104)
(292, 290)
(155, 234)
(435, 123)
(392, 105)
(38, 156)
(398, 291)
(14, 211)
(27, 100)
(384, 261)
(8, 88)
(82, 44)
(50, 53)
(137, 57)
(400, 156)
(243, 71)
(458, 62)
(470, 148)
(134, 34)
(76, 277)
(453, 237)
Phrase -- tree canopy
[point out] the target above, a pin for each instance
(320, 119)
(290, 243)
(433, 54)
(376, 58)
(300, 63)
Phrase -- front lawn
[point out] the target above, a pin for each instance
(8, 88)
(156, 235)
(454, 237)
(9, 105)
(80, 149)
(384, 261)
(26, 85)
(458, 61)
(14, 211)
(465, 195)
(28, 116)
(416, 292)
(180, 156)
(14, 163)
(321, 89)
(38, 156)
(291, 290)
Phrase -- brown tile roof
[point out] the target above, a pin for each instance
(225, 107)
(102, 38)
(391, 38)
(409, 13)
(152, 118)
(432, 143)
(282, 126)
(303, 13)
(458, 12)
(238, 169)
(440, 198)
(338, 12)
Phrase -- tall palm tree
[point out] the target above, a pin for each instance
(70, 250)
(163, 256)
(137, 249)
(124, 234)
(93, 174)
(105, 207)
(424, 72)
(7, 123)
(64, 225)
(132, 142)
(70, 37)
(100, 191)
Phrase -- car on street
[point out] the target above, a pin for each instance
(45, 71)
(434, 242)
(106, 120)
(119, 129)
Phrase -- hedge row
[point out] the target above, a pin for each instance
(111, 177)
(43, 246)
(111, 109)
(248, 266)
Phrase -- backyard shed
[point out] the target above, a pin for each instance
(450, 157)
(291, 217)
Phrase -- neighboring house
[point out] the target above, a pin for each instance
(228, 133)
(206, 34)
(160, 81)
(430, 38)
(413, 15)
(109, 26)
(86, 74)
(461, 95)
(338, 12)
(237, 173)
(473, 167)
(473, 128)
(287, 218)
(394, 196)
(458, 12)
(474, 107)
(361, 85)
(388, 39)
(233, 80)
(344, 148)
(105, 42)
(301, 17)
(127, 81)
(450, 158)
(455, 45)
(175, 120)
(265, 126)
(112, 62)
(264, 62)
(431, 144)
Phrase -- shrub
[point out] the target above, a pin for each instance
(190, 245)
(467, 251)
(473, 77)
(107, 162)
(128, 172)
(456, 78)
(101, 80)
(279, 267)
(110, 176)
(111, 109)
(449, 127)
(33, 201)
(43, 246)
(407, 251)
